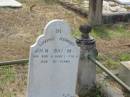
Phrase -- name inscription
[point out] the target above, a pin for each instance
(56, 55)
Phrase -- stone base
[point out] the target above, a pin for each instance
(124, 73)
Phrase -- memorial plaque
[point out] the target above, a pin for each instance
(53, 62)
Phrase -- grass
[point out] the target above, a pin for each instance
(116, 36)
(118, 32)
(125, 56)
(111, 31)
(93, 92)
(7, 76)
(50, 1)
(76, 33)
(12, 48)
(13, 81)
(28, 23)
(112, 61)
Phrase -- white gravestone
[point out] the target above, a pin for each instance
(53, 63)
(10, 3)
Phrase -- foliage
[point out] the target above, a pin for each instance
(93, 92)
(114, 33)
(111, 31)
(113, 60)
(124, 56)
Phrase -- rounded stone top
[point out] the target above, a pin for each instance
(85, 29)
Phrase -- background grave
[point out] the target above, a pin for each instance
(10, 3)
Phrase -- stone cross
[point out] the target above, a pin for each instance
(53, 62)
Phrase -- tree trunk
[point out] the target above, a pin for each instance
(95, 12)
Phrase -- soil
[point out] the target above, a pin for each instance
(114, 46)
(19, 28)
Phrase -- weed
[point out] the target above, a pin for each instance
(124, 57)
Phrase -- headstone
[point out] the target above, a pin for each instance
(10, 3)
(53, 63)
(124, 72)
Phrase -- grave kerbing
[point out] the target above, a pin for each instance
(53, 63)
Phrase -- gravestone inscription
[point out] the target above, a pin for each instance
(53, 62)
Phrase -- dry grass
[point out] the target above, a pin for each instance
(13, 81)
(113, 44)
(20, 27)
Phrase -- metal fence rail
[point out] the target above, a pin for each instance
(21, 61)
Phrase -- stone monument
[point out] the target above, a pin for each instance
(53, 63)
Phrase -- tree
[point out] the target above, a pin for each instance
(95, 12)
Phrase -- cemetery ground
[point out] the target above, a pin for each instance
(19, 29)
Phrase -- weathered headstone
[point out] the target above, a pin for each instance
(53, 63)
(10, 3)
